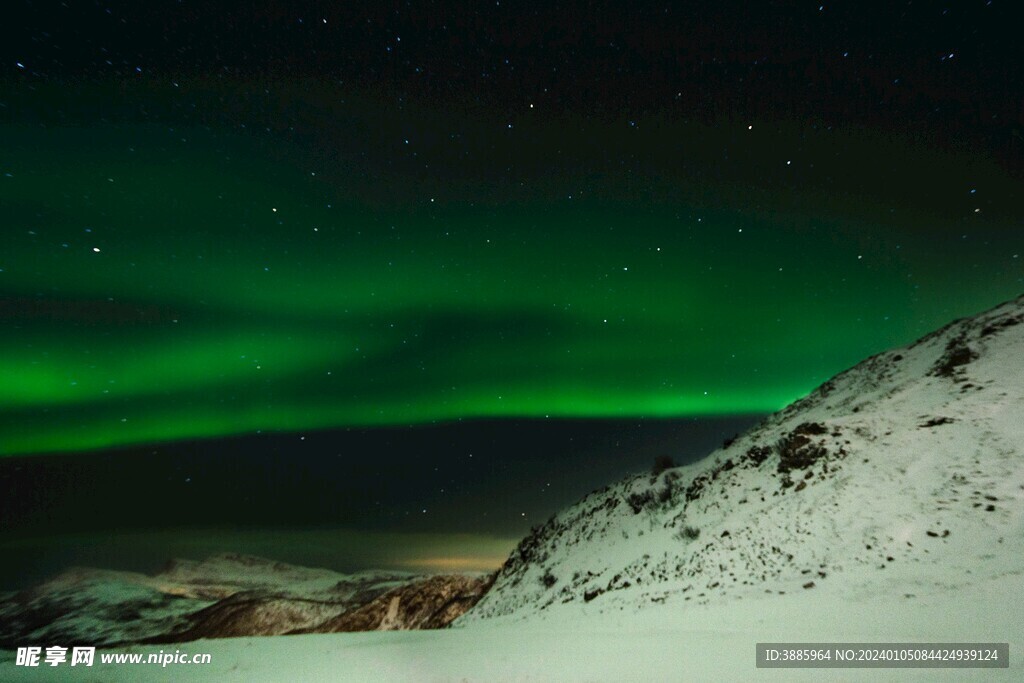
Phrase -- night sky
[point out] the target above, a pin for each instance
(226, 221)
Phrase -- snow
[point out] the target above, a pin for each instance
(672, 641)
(909, 528)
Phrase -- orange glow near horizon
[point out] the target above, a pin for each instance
(457, 563)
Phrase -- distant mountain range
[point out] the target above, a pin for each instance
(224, 596)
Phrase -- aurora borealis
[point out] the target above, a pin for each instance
(294, 220)
(153, 291)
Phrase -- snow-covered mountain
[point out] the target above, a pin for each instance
(227, 595)
(887, 506)
(902, 476)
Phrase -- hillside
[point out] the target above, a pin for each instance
(902, 476)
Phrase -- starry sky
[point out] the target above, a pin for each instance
(228, 219)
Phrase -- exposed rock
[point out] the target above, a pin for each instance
(957, 354)
(428, 604)
(797, 451)
(253, 614)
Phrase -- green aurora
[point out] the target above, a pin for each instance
(161, 284)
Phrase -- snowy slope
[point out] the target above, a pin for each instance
(903, 475)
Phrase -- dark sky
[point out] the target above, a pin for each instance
(223, 219)
(448, 496)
